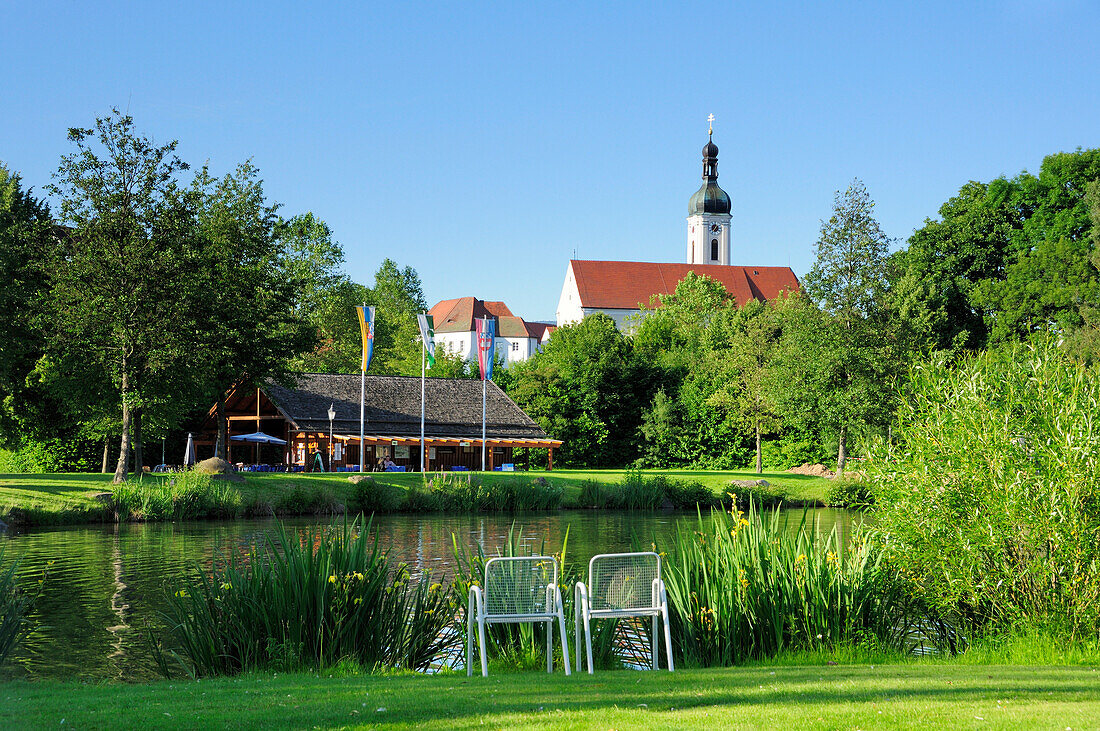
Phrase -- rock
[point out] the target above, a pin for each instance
(356, 479)
(3, 526)
(750, 483)
(542, 482)
(219, 469)
(213, 466)
(107, 498)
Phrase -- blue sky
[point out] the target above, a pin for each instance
(484, 143)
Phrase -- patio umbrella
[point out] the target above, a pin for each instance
(189, 451)
(257, 438)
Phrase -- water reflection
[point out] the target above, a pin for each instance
(108, 582)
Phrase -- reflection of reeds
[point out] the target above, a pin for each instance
(743, 587)
(15, 604)
(306, 601)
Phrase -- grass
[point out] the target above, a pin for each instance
(54, 499)
(909, 695)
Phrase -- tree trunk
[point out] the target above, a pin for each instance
(223, 428)
(124, 451)
(759, 457)
(139, 458)
(106, 447)
(842, 451)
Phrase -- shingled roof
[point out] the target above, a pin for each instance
(628, 284)
(453, 407)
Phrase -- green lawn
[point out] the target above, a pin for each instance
(924, 695)
(61, 498)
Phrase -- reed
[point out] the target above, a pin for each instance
(638, 491)
(306, 600)
(16, 600)
(746, 586)
(181, 496)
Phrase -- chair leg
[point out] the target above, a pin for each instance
(577, 629)
(588, 641)
(668, 636)
(484, 652)
(550, 645)
(564, 637)
(654, 660)
(470, 638)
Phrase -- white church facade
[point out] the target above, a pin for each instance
(619, 288)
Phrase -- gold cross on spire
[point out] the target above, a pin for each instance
(710, 123)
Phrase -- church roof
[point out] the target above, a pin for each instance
(624, 285)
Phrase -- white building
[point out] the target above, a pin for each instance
(620, 288)
(455, 329)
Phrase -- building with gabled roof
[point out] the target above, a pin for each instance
(455, 329)
(452, 421)
(621, 288)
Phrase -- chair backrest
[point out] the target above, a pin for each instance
(623, 581)
(518, 586)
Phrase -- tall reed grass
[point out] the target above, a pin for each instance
(306, 600)
(637, 491)
(182, 496)
(17, 597)
(750, 586)
(464, 493)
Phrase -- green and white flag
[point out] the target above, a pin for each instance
(427, 334)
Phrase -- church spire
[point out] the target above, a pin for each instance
(710, 154)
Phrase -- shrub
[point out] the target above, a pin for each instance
(308, 600)
(992, 502)
(745, 586)
(368, 497)
(307, 499)
(849, 492)
(636, 491)
(182, 496)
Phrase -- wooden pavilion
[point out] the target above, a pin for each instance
(452, 425)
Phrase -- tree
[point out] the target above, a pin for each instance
(839, 354)
(586, 389)
(327, 296)
(116, 289)
(399, 297)
(247, 317)
(26, 242)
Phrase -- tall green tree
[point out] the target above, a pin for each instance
(116, 286)
(586, 389)
(399, 297)
(247, 317)
(26, 242)
(837, 360)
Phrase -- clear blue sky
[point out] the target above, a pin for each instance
(483, 143)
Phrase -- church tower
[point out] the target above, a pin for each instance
(709, 213)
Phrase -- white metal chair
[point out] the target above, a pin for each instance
(622, 585)
(519, 589)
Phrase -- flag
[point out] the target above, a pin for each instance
(486, 334)
(366, 327)
(427, 334)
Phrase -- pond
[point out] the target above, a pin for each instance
(107, 582)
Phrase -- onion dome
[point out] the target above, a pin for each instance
(709, 198)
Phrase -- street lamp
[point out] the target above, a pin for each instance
(331, 416)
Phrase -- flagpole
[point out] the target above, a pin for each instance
(363, 404)
(484, 387)
(423, 356)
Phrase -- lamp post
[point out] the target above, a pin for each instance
(331, 416)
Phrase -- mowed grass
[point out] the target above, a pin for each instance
(916, 695)
(62, 498)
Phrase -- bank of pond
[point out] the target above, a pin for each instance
(135, 601)
(30, 500)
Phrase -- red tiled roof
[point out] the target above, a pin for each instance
(458, 315)
(540, 330)
(625, 285)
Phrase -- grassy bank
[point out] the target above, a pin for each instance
(54, 499)
(910, 695)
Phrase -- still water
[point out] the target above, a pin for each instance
(106, 583)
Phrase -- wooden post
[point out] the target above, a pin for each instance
(492, 458)
(550, 460)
